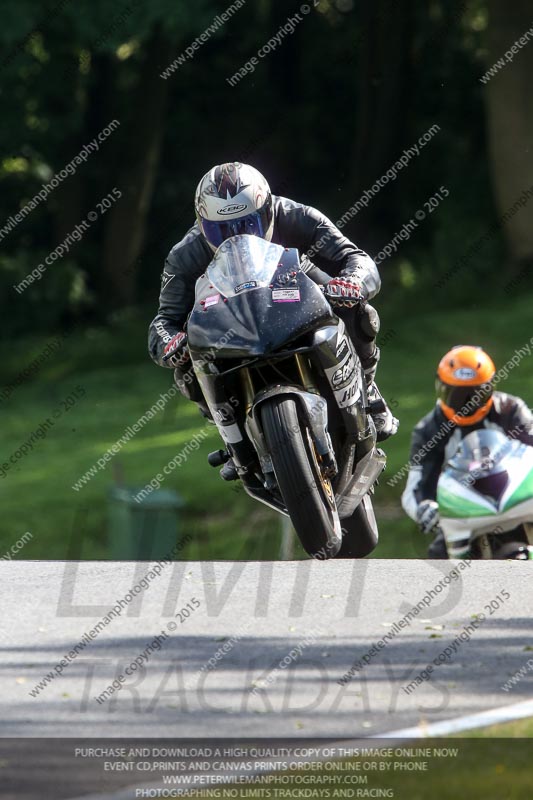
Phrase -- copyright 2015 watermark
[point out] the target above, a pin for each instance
(287, 29)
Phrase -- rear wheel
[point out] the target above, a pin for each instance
(307, 494)
(510, 545)
(359, 532)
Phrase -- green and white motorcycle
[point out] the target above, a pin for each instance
(485, 497)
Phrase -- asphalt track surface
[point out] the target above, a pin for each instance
(327, 614)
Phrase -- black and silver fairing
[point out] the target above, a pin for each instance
(253, 300)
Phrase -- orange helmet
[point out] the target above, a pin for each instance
(464, 384)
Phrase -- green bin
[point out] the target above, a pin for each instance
(143, 530)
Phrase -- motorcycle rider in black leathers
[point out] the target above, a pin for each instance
(466, 402)
(234, 199)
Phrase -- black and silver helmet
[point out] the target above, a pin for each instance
(232, 199)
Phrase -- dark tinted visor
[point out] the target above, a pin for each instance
(465, 400)
(255, 224)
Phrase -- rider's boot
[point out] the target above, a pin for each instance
(229, 471)
(187, 383)
(384, 420)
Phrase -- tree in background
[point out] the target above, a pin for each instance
(510, 123)
(323, 115)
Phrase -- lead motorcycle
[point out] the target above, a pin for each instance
(485, 497)
(286, 389)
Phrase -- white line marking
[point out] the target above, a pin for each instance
(483, 719)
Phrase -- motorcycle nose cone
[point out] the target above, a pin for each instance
(492, 485)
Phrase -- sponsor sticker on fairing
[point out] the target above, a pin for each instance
(344, 377)
(243, 287)
(286, 295)
(212, 300)
(344, 372)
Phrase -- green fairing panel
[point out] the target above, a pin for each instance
(523, 492)
(451, 505)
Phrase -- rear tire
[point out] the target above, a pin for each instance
(310, 504)
(359, 532)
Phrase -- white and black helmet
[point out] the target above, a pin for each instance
(231, 199)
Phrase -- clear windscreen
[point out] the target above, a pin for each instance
(243, 263)
(482, 451)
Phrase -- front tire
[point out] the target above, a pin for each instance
(308, 496)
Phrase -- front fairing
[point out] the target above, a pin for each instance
(490, 476)
(253, 300)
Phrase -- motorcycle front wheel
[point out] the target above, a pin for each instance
(307, 494)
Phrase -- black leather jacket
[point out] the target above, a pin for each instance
(295, 225)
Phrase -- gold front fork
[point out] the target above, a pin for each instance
(303, 372)
(247, 387)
